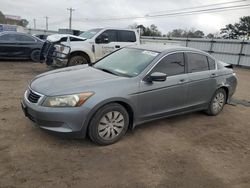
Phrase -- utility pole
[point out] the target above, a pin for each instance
(70, 16)
(34, 20)
(47, 25)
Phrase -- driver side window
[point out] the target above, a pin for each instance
(111, 35)
(171, 65)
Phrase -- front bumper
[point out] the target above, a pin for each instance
(70, 121)
(57, 62)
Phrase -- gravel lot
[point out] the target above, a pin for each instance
(192, 150)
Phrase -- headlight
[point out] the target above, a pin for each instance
(67, 100)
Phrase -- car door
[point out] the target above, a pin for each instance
(167, 97)
(202, 82)
(25, 45)
(8, 45)
(106, 43)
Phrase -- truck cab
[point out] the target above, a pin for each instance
(88, 47)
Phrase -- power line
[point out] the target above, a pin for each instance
(202, 6)
(70, 16)
(179, 13)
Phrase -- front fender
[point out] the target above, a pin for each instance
(103, 103)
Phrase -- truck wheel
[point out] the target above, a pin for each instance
(34, 55)
(77, 60)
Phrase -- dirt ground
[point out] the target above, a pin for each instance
(191, 151)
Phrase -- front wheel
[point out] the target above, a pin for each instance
(217, 103)
(109, 124)
(77, 60)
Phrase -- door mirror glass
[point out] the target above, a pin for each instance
(157, 77)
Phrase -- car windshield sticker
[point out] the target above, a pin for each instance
(150, 53)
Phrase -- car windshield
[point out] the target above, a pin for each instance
(127, 62)
(90, 33)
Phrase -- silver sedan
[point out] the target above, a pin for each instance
(129, 87)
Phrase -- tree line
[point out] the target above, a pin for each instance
(238, 30)
(4, 20)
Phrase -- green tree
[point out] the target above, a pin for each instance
(152, 30)
(186, 33)
(2, 18)
(237, 30)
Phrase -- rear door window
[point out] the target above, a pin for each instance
(211, 63)
(171, 65)
(196, 62)
(24, 38)
(126, 36)
(8, 37)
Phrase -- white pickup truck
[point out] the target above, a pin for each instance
(62, 50)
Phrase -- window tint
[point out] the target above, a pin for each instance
(196, 62)
(8, 37)
(24, 38)
(112, 35)
(211, 63)
(171, 65)
(126, 36)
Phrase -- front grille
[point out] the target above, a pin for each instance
(47, 52)
(33, 97)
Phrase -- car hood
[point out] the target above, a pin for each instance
(70, 80)
(58, 37)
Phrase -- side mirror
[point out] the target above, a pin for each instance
(157, 77)
(105, 38)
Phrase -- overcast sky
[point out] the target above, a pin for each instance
(58, 15)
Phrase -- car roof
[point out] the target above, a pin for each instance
(13, 32)
(164, 48)
(20, 33)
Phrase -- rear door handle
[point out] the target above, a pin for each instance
(117, 46)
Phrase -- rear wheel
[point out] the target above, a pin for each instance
(109, 124)
(77, 60)
(34, 56)
(217, 103)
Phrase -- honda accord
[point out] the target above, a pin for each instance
(129, 87)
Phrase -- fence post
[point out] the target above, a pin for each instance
(211, 46)
(187, 42)
(241, 50)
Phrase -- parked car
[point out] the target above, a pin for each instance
(129, 87)
(14, 45)
(87, 48)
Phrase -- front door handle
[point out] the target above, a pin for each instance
(117, 46)
(213, 74)
(182, 81)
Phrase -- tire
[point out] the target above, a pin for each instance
(77, 60)
(109, 124)
(217, 102)
(34, 55)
